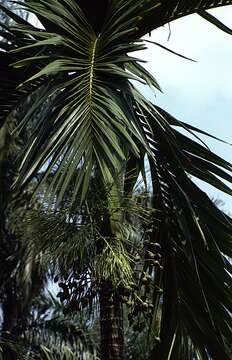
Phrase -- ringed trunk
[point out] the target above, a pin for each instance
(111, 324)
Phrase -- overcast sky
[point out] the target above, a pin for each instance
(198, 93)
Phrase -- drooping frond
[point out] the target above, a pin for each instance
(91, 116)
(11, 97)
(84, 80)
(195, 237)
(174, 9)
(157, 13)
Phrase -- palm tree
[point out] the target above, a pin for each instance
(93, 121)
(86, 259)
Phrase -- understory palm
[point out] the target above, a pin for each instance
(93, 123)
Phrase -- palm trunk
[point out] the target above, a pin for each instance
(111, 323)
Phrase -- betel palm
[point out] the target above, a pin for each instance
(80, 65)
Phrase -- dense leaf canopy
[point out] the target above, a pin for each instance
(91, 119)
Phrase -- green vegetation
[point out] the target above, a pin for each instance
(97, 195)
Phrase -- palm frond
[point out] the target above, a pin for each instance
(175, 9)
(195, 237)
(157, 13)
(91, 117)
(11, 97)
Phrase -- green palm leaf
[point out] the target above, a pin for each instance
(11, 97)
(91, 117)
(90, 102)
(157, 13)
(196, 240)
(172, 10)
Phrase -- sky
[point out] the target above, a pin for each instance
(198, 93)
